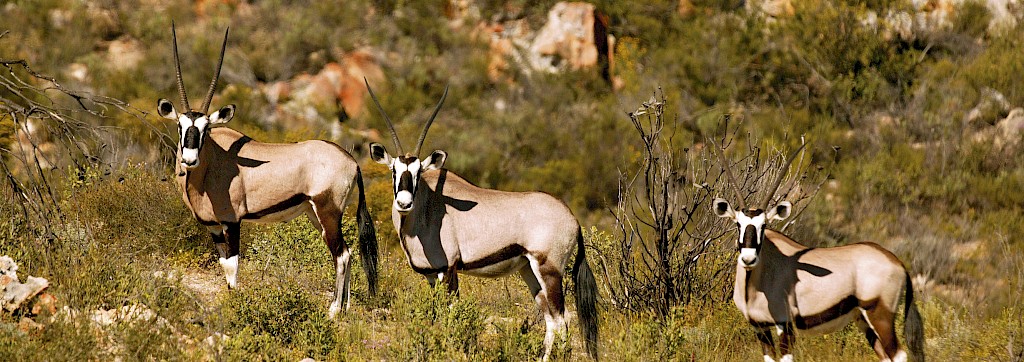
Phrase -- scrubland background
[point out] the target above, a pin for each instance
(910, 109)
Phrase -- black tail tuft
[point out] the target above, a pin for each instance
(367, 238)
(586, 297)
(913, 326)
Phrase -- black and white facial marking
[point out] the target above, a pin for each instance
(405, 173)
(750, 224)
(193, 127)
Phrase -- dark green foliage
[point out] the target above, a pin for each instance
(280, 317)
(136, 205)
(439, 326)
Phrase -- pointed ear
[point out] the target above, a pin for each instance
(722, 209)
(434, 161)
(165, 109)
(780, 211)
(379, 154)
(223, 115)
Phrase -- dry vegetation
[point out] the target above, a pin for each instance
(909, 138)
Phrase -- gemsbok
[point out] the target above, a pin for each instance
(448, 226)
(786, 287)
(226, 178)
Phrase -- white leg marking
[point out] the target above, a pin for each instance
(342, 294)
(768, 358)
(901, 356)
(551, 322)
(864, 314)
(786, 358)
(778, 330)
(314, 218)
(230, 266)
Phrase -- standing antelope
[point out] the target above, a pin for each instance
(788, 287)
(226, 178)
(447, 226)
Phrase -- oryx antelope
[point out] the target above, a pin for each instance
(226, 178)
(785, 287)
(448, 226)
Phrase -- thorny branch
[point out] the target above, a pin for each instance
(672, 250)
(51, 126)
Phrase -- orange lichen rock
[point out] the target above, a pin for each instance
(14, 292)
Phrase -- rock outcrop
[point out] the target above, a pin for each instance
(16, 294)
(574, 37)
(337, 88)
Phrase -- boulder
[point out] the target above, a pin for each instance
(14, 293)
(575, 37)
(772, 8)
(124, 53)
(1002, 19)
(569, 38)
(461, 12)
(685, 8)
(928, 16)
(337, 87)
(989, 109)
(504, 41)
(1009, 129)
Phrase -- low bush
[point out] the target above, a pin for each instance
(278, 318)
(438, 326)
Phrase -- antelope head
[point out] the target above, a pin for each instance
(406, 168)
(194, 124)
(750, 222)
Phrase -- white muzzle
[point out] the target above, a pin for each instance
(403, 201)
(748, 257)
(189, 157)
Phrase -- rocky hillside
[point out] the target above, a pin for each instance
(912, 112)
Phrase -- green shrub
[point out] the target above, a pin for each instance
(517, 343)
(135, 208)
(59, 341)
(437, 326)
(279, 316)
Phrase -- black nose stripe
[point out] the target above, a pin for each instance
(750, 237)
(404, 182)
(192, 138)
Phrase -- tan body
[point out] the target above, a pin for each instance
(239, 179)
(448, 226)
(234, 178)
(285, 188)
(817, 290)
(471, 234)
(456, 227)
(783, 287)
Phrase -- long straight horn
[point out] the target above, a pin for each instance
(727, 169)
(426, 127)
(177, 71)
(216, 76)
(782, 175)
(394, 135)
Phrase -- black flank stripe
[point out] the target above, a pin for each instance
(842, 308)
(281, 206)
(428, 271)
(505, 253)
